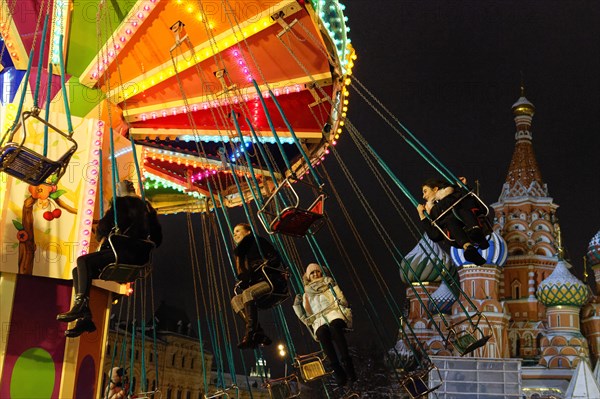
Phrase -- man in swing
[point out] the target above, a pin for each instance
(460, 222)
(251, 253)
(137, 220)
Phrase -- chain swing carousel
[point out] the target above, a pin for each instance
(171, 77)
(206, 106)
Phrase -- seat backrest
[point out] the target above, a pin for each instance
(131, 251)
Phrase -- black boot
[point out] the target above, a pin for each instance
(476, 234)
(82, 325)
(79, 310)
(251, 316)
(349, 368)
(261, 338)
(339, 374)
(473, 256)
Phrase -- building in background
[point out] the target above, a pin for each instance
(537, 310)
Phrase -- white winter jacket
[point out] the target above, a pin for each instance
(319, 305)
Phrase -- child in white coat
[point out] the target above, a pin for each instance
(324, 310)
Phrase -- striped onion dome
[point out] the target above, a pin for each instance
(420, 265)
(402, 356)
(593, 252)
(444, 298)
(496, 254)
(562, 288)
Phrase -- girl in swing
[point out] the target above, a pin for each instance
(460, 222)
(324, 310)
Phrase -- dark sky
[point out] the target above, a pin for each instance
(450, 71)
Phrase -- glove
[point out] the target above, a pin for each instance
(298, 300)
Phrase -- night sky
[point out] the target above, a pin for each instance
(450, 71)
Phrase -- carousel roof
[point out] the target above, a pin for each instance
(195, 85)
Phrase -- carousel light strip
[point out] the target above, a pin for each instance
(331, 12)
(195, 161)
(133, 21)
(60, 23)
(191, 135)
(160, 182)
(200, 53)
(198, 103)
(12, 38)
(178, 158)
(90, 187)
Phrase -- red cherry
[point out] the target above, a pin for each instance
(56, 213)
(48, 215)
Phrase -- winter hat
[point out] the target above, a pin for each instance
(125, 188)
(117, 373)
(311, 268)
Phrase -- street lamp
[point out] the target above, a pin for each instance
(282, 354)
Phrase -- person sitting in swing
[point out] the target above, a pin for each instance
(324, 310)
(461, 223)
(136, 219)
(249, 259)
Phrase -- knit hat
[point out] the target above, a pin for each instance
(311, 268)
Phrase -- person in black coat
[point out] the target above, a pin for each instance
(248, 261)
(136, 219)
(460, 222)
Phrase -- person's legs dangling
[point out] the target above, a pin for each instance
(337, 327)
(88, 267)
(325, 337)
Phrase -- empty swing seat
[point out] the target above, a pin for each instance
(284, 388)
(311, 366)
(133, 259)
(27, 165)
(296, 222)
(416, 382)
(470, 337)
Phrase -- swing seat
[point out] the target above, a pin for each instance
(222, 393)
(156, 394)
(415, 383)
(279, 291)
(133, 259)
(218, 394)
(26, 164)
(311, 366)
(466, 335)
(293, 219)
(284, 388)
(296, 222)
(479, 209)
(466, 342)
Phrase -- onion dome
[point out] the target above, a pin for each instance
(423, 262)
(593, 252)
(496, 254)
(402, 356)
(444, 298)
(523, 107)
(562, 288)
